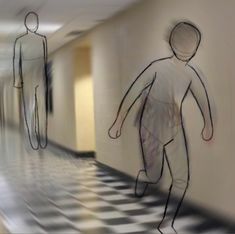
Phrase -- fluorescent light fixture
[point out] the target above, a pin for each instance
(49, 28)
(6, 28)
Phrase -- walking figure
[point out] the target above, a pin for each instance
(163, 86)
(30, 75)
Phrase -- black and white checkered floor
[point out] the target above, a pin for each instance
(52, 192)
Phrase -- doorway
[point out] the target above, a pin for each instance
(84, 103)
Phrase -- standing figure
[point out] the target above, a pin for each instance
(163, 86)
(30, 75)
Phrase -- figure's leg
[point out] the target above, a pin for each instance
(41, 116)
(153, 159)
(178, 163)
(29, 112)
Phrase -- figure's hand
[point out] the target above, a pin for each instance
(207, 133)
(115, 130)
(18, 85)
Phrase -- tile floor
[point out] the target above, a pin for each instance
(53, 192)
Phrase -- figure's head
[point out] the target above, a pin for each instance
(31, 21)
(184, 40)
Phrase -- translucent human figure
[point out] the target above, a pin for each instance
(163, 86)
(30, 75)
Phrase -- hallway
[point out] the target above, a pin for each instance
(53, 192)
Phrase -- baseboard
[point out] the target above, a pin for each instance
(12, 125)
(77, 154)
(53, 145)
(114, 171)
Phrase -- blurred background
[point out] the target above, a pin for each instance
(96, 48)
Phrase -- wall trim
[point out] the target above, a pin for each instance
(53, 144)
(75, 153)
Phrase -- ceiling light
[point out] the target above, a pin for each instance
(49, 28)
(74, 33)
(6, 28)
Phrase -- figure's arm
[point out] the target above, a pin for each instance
(199, 92)
(45, 48)
(17, 65)
(143, 81)
(45, 53)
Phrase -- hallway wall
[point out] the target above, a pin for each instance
(72, 122)
(123, 46)
(62, 126)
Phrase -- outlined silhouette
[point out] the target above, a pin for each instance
(163, 86)
(30, 76)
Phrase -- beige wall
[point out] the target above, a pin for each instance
(127, 43)
(62, 126)
(84, 108)
(107, 86)
(72, 122)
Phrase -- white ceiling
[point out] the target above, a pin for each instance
(67, 15)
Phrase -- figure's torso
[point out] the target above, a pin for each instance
(162, 111)
(31, 52)
(171, 83)
(31, 47)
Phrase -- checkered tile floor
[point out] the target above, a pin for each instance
(52, 192)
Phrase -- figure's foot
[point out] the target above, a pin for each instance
(141, 184)
(31, 144)
(43, 142)
(33, 141)
(166, 227)
(166, 230)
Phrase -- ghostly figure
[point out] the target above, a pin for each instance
(163, 86)
(30, 75)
